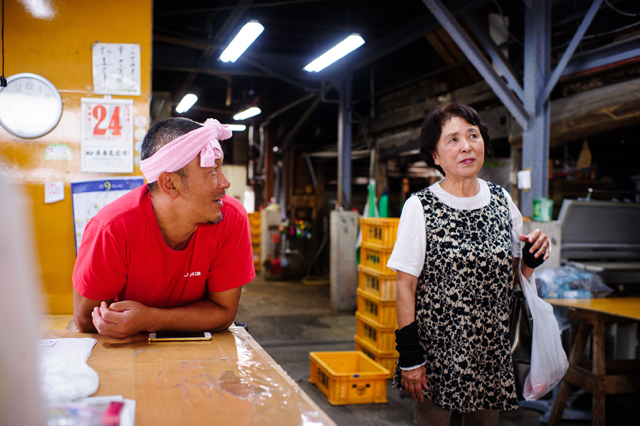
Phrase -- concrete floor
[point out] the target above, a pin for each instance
(290, 319)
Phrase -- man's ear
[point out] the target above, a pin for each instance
(167, 184)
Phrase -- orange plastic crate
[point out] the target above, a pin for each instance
(383, 286)
(375, 257)
(378, 230)
(381, 311)
(348, 377)
(388, 361)
(382, 339)
(254, 217)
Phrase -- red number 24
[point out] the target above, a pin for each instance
(100, 113)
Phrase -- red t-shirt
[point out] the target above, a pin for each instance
(124, 256)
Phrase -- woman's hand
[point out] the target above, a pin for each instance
(413, 381)
(540, 247)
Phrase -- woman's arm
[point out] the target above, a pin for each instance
(414, 380)
(406, 299)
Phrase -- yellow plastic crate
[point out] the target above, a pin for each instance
(375, 256)
(381, 311)
(378, 230)
(255, 228)
(383, 339)
(348, 377)
(255, 217)
(373, 282)
(387, 361)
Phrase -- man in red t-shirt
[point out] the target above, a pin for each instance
(172, 255)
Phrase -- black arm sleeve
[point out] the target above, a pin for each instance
(408, 346)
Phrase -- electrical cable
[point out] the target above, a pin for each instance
(504, 22)
(3, 81)
(592, 36)
(621, 12)
(215, 9)
(587, 37)
(318, 280)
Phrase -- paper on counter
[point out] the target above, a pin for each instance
(71, 349)
(128, 413)
(84, 405)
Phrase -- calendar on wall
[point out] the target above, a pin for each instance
(107, 135)
(116, 69)
(90, 196)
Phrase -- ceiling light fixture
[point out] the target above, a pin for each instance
(251, 112)
(247, 35)
(237, 127)
(340, 50)
(186, 103)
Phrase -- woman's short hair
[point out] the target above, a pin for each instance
(437, 118)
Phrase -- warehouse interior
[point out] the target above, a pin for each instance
(556, 81)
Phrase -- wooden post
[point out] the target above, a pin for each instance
(599, 363)
(565, 387)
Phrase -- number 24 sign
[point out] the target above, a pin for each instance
(107, 135)
(107, 119)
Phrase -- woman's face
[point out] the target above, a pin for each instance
(460, 149)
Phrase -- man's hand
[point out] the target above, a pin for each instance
(121, 319)
(413, 381)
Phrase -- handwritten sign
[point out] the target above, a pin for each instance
(116, 69)
(53, 191)
(107, 135)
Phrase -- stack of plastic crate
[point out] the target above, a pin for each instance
(255, 224)
(376, 319)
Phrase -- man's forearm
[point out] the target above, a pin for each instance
(203, 315)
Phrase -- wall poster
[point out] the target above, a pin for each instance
(90, 196)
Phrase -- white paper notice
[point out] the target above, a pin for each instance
(53, 191)
(107, 135)
(116, 69)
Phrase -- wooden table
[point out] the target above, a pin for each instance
(599, 377)
(229, 380)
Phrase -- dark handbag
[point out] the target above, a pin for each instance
(520, 328)
(520, 337)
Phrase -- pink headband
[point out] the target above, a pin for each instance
(179, 152)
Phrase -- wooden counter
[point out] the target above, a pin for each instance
(625, 307)
(229, 380)
(598, 377)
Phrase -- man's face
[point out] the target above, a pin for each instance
(202, 191)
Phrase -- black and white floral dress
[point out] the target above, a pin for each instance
(463, 303)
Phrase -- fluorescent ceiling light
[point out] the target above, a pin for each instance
(341, 49)
(247, 35)
(253, 111)
(186, 103)
(237, 127)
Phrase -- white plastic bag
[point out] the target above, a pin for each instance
(548, 359)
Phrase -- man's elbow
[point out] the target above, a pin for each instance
(228, 322)
(83, 324)
(229, 317)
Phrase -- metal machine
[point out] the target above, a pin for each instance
(603, 237)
